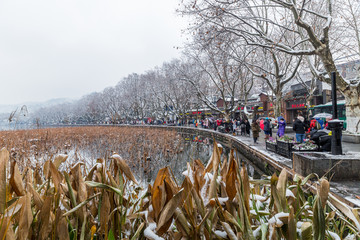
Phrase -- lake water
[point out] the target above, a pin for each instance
(193, 148)
(144, 161)
(6, 126)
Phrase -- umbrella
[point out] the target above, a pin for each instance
(323, 115)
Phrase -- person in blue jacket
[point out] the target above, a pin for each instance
(321, 122)
(267, 128)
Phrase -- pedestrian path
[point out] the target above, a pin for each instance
(349, 190)
(347, 147)
(260, 146)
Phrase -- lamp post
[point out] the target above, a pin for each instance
(335, 125)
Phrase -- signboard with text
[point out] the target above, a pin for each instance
(298, 105)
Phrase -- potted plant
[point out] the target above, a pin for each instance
(307, 145)
(271, 145)
(284, 146)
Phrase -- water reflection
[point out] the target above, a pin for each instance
(145, 154)
(4, 126)
(192, 148)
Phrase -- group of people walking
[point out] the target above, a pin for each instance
(242, 126)
(265, 124)
(301, 126)
(235, 126)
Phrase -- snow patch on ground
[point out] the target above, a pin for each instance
(208, 177)
(258, 197)
(275, 220)
(334, 236)
(221, 234)
(257, 232)
(149, 232)
(353, 200)
(289, 193)
(223, 200)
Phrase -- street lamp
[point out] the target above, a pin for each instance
(335, 125)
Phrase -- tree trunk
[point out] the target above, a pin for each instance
(351, 91)
(308, 105)
(227, 116)
(352, 114)
(277, 105)
(254, 113)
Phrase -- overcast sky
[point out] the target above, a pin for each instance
(68, 48)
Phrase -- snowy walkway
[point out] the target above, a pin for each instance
(349, 190)
(260, 146)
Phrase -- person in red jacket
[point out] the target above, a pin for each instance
(327, 123)
(312, 125)
(262, 124)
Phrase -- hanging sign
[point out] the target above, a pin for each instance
(299, 105)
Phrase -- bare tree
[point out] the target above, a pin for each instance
(134, 96)
(276, 69)
(246, 85)
(268, 24)
(112, 102)
(347, 24)
(212, 71)
(307, 77)
(242, 54)
(91, 108)
(175, 94)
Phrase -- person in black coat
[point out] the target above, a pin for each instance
(248, 127)
(242, 127)
(299, 128)
(325, 143)
(315, 136)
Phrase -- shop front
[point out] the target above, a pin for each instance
(294, 108)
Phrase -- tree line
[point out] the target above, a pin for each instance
(234, 48)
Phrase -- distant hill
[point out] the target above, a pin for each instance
(33, 106)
